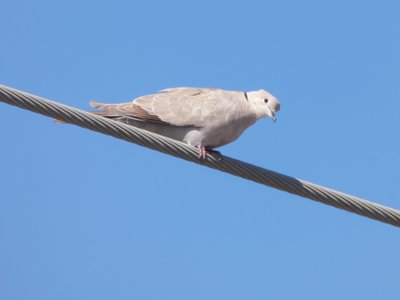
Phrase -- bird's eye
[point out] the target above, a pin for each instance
(266, 100)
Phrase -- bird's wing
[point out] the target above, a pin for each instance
(128, 110)
(188, 106)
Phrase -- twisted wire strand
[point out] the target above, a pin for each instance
(178, 149)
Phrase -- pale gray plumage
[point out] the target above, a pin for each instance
(205, 118)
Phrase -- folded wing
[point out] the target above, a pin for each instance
(186, 106)
(176, 106)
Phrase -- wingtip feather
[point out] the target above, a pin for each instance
(95, 104)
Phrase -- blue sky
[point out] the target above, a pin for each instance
(86, 216)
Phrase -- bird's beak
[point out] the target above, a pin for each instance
(272, 115)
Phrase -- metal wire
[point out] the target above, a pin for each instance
(178, 149)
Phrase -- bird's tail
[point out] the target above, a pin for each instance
(98, 105)
(93, 104)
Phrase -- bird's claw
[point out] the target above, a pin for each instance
(204, 150)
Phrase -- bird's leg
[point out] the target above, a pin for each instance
(202, 152)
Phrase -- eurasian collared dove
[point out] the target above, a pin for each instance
(204, 118)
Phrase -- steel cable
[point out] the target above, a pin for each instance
(178, 149)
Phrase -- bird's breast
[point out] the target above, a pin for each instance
(217, 135)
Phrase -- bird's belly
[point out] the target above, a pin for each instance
(217, 136)
(211, 136)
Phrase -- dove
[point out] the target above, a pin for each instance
(205, 118)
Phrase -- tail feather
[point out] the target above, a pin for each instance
(96, 104)
(123, 110)
(93, 104)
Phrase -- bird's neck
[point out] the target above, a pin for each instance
(253, 109)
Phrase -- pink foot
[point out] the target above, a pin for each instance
(202, 152)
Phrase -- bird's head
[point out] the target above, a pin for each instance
(264, 104)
